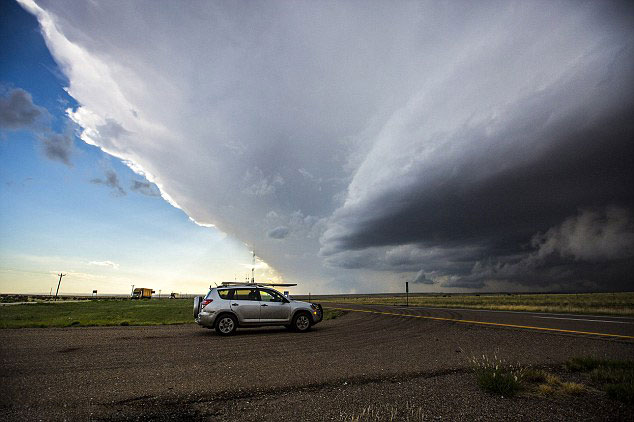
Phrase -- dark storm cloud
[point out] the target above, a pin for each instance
(145, 188)
(111, 181)
(494, 185)
(278, 233)
(58, 147)
(17, 111)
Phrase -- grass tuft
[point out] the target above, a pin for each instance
(497, 376)
(616, 377)
(379, 413)
(545, 389)
(333, 314)
(572, 388)
(552, 380)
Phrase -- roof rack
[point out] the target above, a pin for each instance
(236, 283)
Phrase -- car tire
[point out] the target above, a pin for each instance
(197, 301)
(226, 324)
(301, 322)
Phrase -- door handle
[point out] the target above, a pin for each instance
(264, 304)
(235, 304)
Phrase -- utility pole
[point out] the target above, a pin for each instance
(58, 283)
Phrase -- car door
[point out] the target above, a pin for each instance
(246, 305)
(273, 307)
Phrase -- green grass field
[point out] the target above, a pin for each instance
(97, 312)
(103, 313)
(619, 304)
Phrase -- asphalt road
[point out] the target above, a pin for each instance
(593, 325)
(360, 361)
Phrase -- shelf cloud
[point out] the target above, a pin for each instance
(454, 145)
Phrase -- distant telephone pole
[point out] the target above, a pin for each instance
(58, 283)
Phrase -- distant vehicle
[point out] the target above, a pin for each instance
(142, 293)
(253, 305)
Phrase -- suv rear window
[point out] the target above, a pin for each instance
(225, 293)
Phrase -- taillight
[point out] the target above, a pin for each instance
(207, 302)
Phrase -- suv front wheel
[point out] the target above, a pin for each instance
(301, 322)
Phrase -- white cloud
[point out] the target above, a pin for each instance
(110, 264)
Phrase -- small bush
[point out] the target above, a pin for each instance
(497, 376)
(125, 323)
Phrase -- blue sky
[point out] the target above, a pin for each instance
(53, 219)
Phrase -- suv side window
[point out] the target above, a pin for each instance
(245, 294)
(270, 296)
(226, 294)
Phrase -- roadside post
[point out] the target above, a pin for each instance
(407, 293)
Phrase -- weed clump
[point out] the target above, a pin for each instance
(572, 388)
(545, 389)
(376, 413)
(497, 376)
(615, 377)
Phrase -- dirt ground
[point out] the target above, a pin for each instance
(364, 365)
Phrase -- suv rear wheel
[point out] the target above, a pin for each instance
(301, 322)
(226, 324)
(197, 302)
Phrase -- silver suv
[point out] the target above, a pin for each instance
(250, 305)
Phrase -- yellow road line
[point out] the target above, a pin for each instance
(498, 324)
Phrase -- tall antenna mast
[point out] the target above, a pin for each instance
(253, 268)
